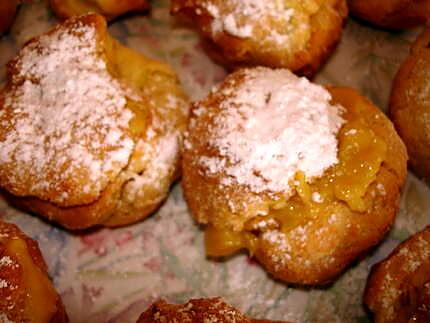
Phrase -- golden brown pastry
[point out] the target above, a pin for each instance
(195, 311)
(303, 178)
(410, 104)
(7, 14)
(392, 14)
(26, 292)
(298, 35)
(398, 288)
(110, 9)
(90, 131)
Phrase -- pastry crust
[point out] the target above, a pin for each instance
(7, 14)
(196, 311)
(302, 46)
(398, 288)
(16, 292)
(117, 165)
(392, 14)
(410, 107)
(110, 9)
(313, 249)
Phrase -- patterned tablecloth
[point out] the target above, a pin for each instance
(112, 275)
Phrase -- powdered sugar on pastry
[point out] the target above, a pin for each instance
(64, 121)
(270, 127)
(242, 18)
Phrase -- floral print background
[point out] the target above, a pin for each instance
(113, 275)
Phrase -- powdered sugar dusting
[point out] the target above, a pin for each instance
(160, 159)
(6, 261)
(273, 126)
(243, 16)
(3, 283)
(65, 119)
(404, 264)
(215, 310)
(279, 241)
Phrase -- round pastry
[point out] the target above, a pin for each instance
(26, 292)
(410, 107)
(7, 14)
(196, 311)
(398, 288)
(392, 14)
(110, 9)
(298, 35)
(303, 178)
(90, 131)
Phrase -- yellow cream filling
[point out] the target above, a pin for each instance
(361, 153)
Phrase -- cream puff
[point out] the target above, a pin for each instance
(392, 14)
(305, 178)
(26, 292)
(90, 130)
(298, 35)
(196, 311)
(398, 288)
(409, 105)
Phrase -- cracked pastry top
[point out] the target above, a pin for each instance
(298, 35)
(306, 179)
(398, 287)
(26, 292)
(110, 9)
(89, 130)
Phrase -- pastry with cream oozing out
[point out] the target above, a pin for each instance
(90, 131)
(298, 35)
(303, 177)
(8, 10)
(202, 310)
(110, 9)
(398, 287)
(26, 292)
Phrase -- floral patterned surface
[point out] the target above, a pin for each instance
(112, 275)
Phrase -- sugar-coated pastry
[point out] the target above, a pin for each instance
(203, 310)
(303, 178)
(298, 35)
(7, 14)
(410, 104)
(110, 9)
(90, 131)
(398, 288)
(392, 14)
(26, 292)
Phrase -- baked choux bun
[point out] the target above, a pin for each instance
(410, 104)
(26, 292)
(306, 179)
(391, 14)
(7, 14)
(195, 311)
(398, 288)
(90, 131)
(298, 35)
(110, 9)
